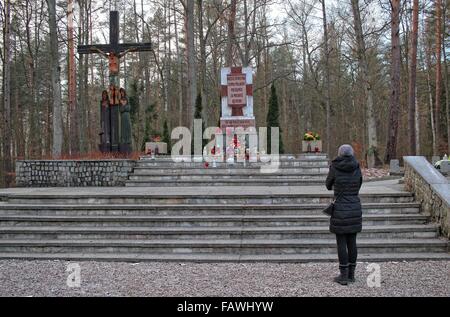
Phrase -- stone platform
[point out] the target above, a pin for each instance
(207, 224)
(185, 212)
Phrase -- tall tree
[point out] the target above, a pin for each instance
(56, 83)
(71, 73)
(7, 159)
(372, 152)
(202, 44)
(391, 148)
(231, 39)
(166, 136)
(412, 81)
(327, 77)
(180, 68)
(438, 81)
(428, 53)
(273, 119)
(83, 73)
(446, 75)
(301, 15)
(189, 6)
(198, 114)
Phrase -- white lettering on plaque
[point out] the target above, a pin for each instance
(237, 90)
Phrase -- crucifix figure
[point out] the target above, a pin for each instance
(113, 52)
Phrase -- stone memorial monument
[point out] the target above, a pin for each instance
(114, 51)
(105, 123)
(125, 123)
(237, 98)
(156, 148)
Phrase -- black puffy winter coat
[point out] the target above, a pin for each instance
(346, 179)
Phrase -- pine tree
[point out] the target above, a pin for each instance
(198, 115)
(198, 107)
(273, 119)
(150, 118)
(166, 136)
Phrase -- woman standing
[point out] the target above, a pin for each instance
(346, 222)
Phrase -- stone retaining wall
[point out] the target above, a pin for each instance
(107, 173)
(431, 189)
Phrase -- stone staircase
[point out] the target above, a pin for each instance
(208, 223)
(163, 172)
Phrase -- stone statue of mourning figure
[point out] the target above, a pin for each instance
(125, 122)
(110, 130)
(105, 122)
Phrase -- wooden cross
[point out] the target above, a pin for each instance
(113, 52)
(114, 47)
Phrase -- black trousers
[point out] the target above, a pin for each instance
(347, 249)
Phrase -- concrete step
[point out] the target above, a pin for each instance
(309, 156)
(241, 247)
(224, 182)
(199, 221)
(282, 157)
(199, 199)
(166, 165)
(139, 210)
(280, 233)
(256, 177)
(225, 258)
(236, 172)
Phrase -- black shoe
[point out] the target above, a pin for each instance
(343, 277)
(351, 272)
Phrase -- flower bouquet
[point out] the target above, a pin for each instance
(312, 142)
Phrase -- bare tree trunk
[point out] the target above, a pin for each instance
(7, 160)
(306, 99)
(430, 93)
(87, 111)
(202, 43)
(433, 128)
(246, 53)
(266, 76)
(140, 111)
(19, 115)
(180, 69)
(364, 66)
(33, 141)
(73, 124)
(56, 83)
(93, 113)
(391, 148)
(166, 61)
(124, 58)
(83, 76)
(446, 84)
(87, 99)
(327, 78)
(191, 60)
(438, 73)
(170, 97)
(412, 129)
(417, 125)
(147, 91)
(231, 33)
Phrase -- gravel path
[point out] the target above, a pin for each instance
(48, 278)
